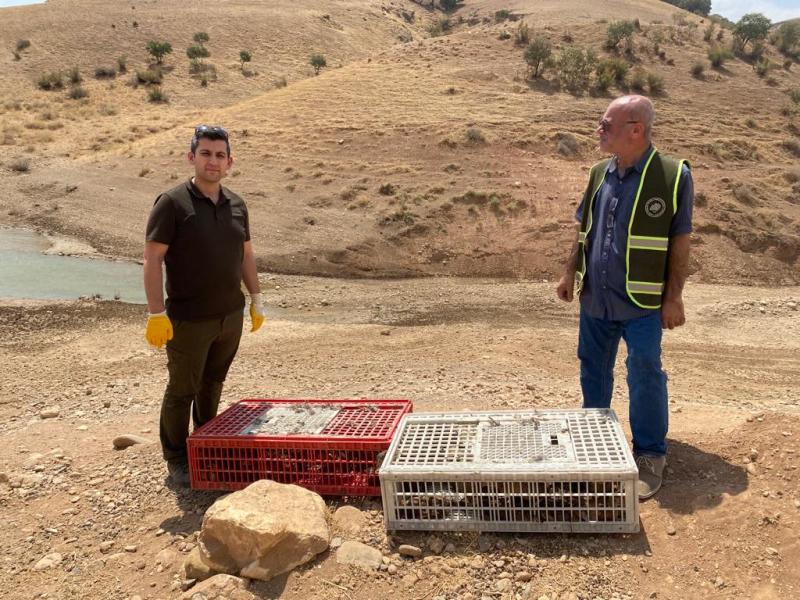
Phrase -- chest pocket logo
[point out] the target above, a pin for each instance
(655, 207)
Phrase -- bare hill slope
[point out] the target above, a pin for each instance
(433, 156)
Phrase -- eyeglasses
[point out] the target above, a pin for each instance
(210, 130)
(605, 125)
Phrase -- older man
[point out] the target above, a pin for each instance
(630, 260)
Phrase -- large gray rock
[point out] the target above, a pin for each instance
(220, 587)
(264, 530)
(359, 555)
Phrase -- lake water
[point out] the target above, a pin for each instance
(25, 272)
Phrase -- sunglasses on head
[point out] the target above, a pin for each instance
(210, 129)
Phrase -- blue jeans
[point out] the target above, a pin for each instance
(598, 340)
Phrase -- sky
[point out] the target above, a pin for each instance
(777, 10)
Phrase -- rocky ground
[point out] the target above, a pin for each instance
(83, 520)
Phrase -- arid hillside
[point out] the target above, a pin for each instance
(422, 148)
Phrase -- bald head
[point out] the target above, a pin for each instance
(637, 108)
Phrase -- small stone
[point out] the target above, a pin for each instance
(359, 555)
(503, 585)
(436, 545)
(130, 548)
(409, 550)
(772, 551)
(128, 439)
(48, 562)
(752, 469)
(671, 529)
(391, 569)
(50, 412)
(523, 576)
(106, 546)
(336, 542)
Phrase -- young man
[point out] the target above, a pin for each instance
(631, 260)
(201, 231)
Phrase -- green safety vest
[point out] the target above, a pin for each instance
(655, 204)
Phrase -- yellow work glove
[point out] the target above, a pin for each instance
(159, 329)
(257, 313)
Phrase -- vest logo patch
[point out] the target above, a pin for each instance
(655, 207)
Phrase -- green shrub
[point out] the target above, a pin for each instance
(440, 26)
(318, 62)
(77, 92)
(787, 38)
(122, 64)
(201, 37)
(615, 68)
(449, 5)
(536, 53)
(74, 76)
(708, 32)
(158, 49)
(245, 56)
(23, 45)
(20, 165)
(281, 82)
(523, 34)
(502, 15)
(762, 67)
(792, 146)
(638, 80)
(575, 66)
(655, 84)
(51, 81)
(718, 54)
(197, 53)
(698, 69)
(618, 31)
(157, 96)
(794, 95)
(105, 73)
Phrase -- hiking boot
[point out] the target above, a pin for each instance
(179, 473)
(651, 471)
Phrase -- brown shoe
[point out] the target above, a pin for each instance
(651, 474)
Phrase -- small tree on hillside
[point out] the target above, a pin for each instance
(245, 56)
(699, 7)
(752, 27)
(575, 66)
(159, 50)
(449, 5)
(787, 38)
(318, 62)
(197, 53)
(536, 53)
(201, 37)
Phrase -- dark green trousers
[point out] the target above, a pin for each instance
(199, 356)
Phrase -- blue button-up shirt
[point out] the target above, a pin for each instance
(604, 295)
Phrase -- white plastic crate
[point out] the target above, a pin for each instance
(538, 470)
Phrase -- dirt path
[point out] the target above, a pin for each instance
(721, 528)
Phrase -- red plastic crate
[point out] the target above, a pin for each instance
(338, 456)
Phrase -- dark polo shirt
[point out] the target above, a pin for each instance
(206, 247)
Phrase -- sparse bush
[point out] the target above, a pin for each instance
(698, 69)
(387, 189)
(18, 56)
(522, 36)
(122, 64)
(157, 96)
(23, 45)
(245, 56)
(655, 84)
(618, 31)
(792, 146)
(281, 82)
(502, 15)
(718, 54)
(20, 165)
(638, 80)
(762, 67)
(158, 49)
(201, 37)
(613, 70)
(204, 80)
(318, 62)
(77, 92)
(51, 81)
(475, 136)
(504, 35)
(794, 95)
(440, 27)
(536, 53)
(575, 66)
(149, 76)
(74, 76)
(603, 81)
(105, 73)
(197, 53)
(708, 32)
(745, 194)
(449, 5)
(567, 145)
(787, 38)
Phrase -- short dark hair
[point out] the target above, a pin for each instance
(210, 132)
